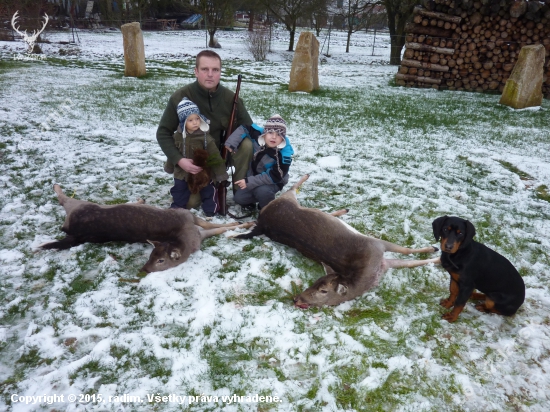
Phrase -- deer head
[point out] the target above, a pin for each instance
(29, 39)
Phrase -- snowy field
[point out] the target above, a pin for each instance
(220, 331)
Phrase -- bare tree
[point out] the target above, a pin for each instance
(318, 12)
(257, 43)
(216, 13)
(399, 12)
(288, 11)
(355, 14)
(253, 8)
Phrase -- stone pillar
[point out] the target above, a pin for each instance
(304, 74)
(524, 86)
(134, 50)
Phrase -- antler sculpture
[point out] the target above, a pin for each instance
(30, 40)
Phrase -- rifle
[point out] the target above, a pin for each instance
(222, 186)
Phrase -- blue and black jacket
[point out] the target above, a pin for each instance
(269, 165)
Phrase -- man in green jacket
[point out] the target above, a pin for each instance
(215, 102)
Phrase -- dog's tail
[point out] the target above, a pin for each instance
(256, 231)
(65, 243)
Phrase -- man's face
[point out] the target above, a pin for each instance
(209, 72)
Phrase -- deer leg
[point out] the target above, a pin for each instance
(299, 183)
(392, 247)
(205, 233)
(207, 225)
(68, 203)
(292, 191)
(339, 212)
(400, 263)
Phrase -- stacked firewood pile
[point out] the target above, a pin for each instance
(472, 44)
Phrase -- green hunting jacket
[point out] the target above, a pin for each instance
(216, 106)
(193, 141)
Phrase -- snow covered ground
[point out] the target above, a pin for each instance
(222, 324)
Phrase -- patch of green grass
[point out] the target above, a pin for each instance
(24, 234)
(313, 390)
(358, 315)
(163, 181)
(248, 248)
(278, 270)
(117, 201)
(127, 361)
(32, 359)
(510, 167)
(542, 193)
(77, 287)
(12, 64)
(223, 370)
(49, 274)
(395, 390)
(19, 309)
(90, 369)
(262, 291)
(9, 385)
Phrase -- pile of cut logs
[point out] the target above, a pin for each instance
(472, 45)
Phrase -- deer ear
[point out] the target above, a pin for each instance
(175, 254)
(328, 269)
(437, 225)
(341, 289)
(153, 243)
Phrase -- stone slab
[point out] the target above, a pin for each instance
(134, 50)
(524, 86)
(304, 74)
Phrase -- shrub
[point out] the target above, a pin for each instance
(257, 43)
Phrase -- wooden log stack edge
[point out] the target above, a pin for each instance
(472, 44)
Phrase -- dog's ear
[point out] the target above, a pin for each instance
(437, 225)
(470, 233)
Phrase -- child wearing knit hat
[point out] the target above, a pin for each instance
(268, 171)
(191, 138)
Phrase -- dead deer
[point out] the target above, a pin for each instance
(353, 262)
(174, 233)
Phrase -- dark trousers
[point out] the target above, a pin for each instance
(262, 194)
(180, 194)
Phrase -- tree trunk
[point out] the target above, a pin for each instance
(251, 20)
(291, 42)
(398, 13)
(349, 39)
(211, 33)
(395, 50)
(398, 40)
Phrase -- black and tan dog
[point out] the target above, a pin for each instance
(473, 265)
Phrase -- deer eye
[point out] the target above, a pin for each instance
(160, 261)
(324, 291)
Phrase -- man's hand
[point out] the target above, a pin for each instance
(189, 166)
(241, 183)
